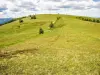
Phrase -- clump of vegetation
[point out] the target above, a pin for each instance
(98, 21)
(33, 17)
(58, 18)
(21, 21)
(18, 27)
(24, 17)
(41, 31)
(51, 25)
(29, 15)
(89, 19)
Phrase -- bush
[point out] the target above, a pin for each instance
(18, 27)
(33, 17)
(51, 25)
(29, 15)
(58, 18)
(24, 17)
(98, 21)
(20, 21)
(41, 31)
(94, 20)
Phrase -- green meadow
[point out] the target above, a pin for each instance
(72, 47)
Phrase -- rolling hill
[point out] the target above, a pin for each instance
(72, 47)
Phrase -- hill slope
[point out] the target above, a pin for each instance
(71, 48)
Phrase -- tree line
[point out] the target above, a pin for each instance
(96, 20)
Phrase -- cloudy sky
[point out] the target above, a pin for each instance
(17, 8)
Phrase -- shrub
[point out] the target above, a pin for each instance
(21, 21)
(18, 26)
(94, 20)
(58, 18)
(33, 17)
(51, 25)
(98, 21)
(41, 31)
(83, 18)
(90, 20)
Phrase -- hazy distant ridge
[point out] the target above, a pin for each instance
(5, 20)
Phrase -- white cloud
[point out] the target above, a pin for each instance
(16, 8)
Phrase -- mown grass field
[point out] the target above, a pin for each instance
(71, 48)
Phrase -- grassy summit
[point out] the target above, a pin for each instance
(72, 47)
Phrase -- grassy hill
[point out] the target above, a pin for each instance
(71, 48)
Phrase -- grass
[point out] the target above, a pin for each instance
(71, 48)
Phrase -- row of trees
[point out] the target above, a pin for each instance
(51, 26)
(41, 31)
(31, 16)
(89, 19)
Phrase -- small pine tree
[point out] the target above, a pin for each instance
(94, 20)
(33, 17)
(21, 21)
(58, 18)
(41, 31)
(90, 20)
(98, 21)
(51, 25)
(83, 18)
(86, 19)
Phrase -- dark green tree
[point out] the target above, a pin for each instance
(51, 25)
(58, 18)
(29, 15)
(98, 21)
(33, 17)
(20, 21)
(41, 31)
(93, 20)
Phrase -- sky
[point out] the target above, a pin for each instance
(18, 8)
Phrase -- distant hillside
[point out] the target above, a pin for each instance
(4, 20)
